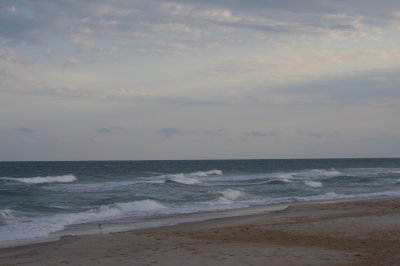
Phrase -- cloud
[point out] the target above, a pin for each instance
(379, 83)
(48, 51)
(377, 87)
(260, 134)
(320, 134)
(71, 61)
(8, 56)
(107, 129)
(27, 132)
(24, 130)
(215, 133)
(183, 22)
(169, 132)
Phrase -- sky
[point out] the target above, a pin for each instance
(199, 79)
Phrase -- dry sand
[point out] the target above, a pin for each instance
(363, 232)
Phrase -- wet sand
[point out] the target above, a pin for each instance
(365, 232)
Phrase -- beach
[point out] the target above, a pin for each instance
(359, 232)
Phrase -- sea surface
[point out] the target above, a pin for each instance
(40, 198)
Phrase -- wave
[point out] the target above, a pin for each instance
(283, 177)
(6, 214)
(187, 179)
(93, 187)
(311, 183)
(18, 227)
(232, 194)
(318, 174)
(40, 179)
(181, 178)
(119, 208)
(207, 173)
(25, 227)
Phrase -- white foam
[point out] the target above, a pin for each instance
(119, 208)
(25, 228)
(232, 194)
(285, 177)
(181, 178)
(6, 214)
(207, 173)
(318, 173)
(313, 183)
(40, 179)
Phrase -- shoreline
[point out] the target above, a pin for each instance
(144, 223)
(345, 232)
(167, 220)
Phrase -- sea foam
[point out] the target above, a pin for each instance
(311, 183)
(40, 179)
(230, 196)
(6, 214)
(181, 178)
(207, 173)
(318, 173)
(25, 228)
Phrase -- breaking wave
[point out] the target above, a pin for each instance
(189, 179)
(43, 226)
(207, 173)
(181, 178)
(6, 214)
(311, 183)
(318, 173)
(40, 179)
(230, 195)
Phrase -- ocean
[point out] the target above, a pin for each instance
(39, 199)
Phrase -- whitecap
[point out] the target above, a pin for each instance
(229, 196)
(181, 178)
(25, 227)
(318, 173)
(207, 173)
(313, 183)
(285, 177)
(40, 179)
(6, 214)
(127, 207)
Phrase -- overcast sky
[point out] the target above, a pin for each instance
(199, 79)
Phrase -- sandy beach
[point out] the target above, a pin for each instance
(362, 232)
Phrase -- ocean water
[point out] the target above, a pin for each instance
(40, 198)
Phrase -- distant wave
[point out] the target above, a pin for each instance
(189, 179)
(40, 179)
(207, 173)
(181, 178)
(318, 173)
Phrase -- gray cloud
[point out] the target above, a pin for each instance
(259, 134)
(169, 132)
(24, 130)
(190, 21)
(365, 85)
(320, 134)
(107, 129)
(215, 133)
(27, 132)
